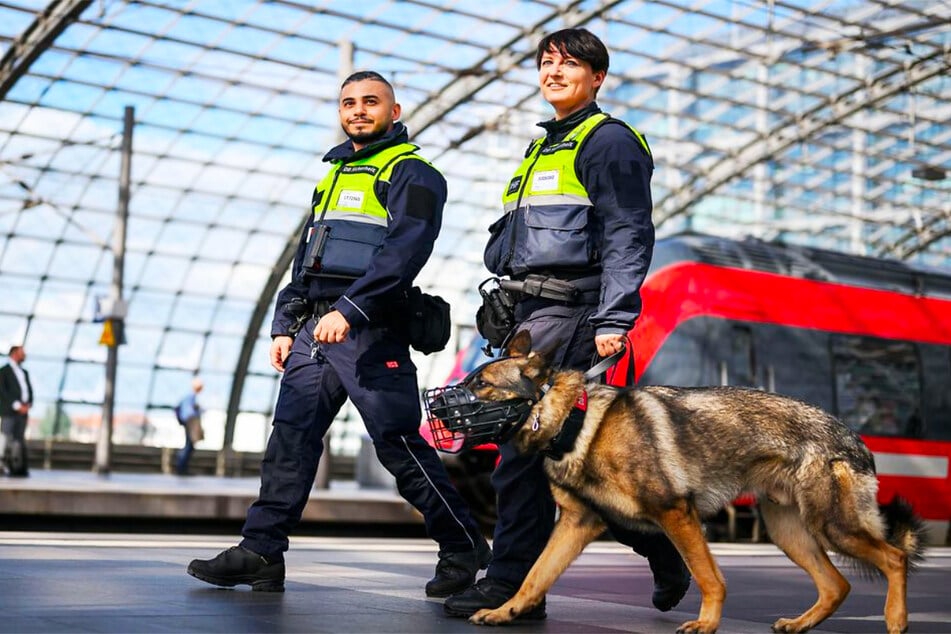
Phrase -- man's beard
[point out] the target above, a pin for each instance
(365, 138)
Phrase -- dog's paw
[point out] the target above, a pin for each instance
(792, 625)
(492, 617)
(697, 627)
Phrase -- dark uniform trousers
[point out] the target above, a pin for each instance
(526, 507)
(373, 367)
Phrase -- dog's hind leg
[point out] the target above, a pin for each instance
(683, 527)
(577, 526)
(854, 529)
(788, 532)
(894, 565)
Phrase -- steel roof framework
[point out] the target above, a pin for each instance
(795, 120)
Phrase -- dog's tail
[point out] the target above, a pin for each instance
(905, 530)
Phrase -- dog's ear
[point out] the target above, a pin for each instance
(540, 361)
(520, 345)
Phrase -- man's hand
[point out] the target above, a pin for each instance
(332, 328)
(280, 348)
(608, 344)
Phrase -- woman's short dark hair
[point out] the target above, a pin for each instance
(578, 43)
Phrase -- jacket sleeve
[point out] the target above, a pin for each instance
(281, 323)
(7, 392)
(616, 172)
(414, 203)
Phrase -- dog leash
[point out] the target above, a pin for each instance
(607, 362)
(564, 441)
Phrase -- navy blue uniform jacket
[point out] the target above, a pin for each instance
(616, 172)
(414, 199)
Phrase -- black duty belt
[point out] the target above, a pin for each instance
(322, 307)
(547, 287)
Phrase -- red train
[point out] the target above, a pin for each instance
(866, 339)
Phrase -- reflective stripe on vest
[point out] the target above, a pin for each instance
(547, 176)
(347, 192)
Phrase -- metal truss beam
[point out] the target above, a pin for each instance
(831, 112)
(500, 60)
(37, 38)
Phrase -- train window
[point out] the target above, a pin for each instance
(742, 362)
(877, 385)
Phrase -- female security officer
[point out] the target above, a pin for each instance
(578, 210)
(376, 216)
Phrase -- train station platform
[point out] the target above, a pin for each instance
(107, 583)
(156, 497)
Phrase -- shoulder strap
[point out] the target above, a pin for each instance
(378, 188)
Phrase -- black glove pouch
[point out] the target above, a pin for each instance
(429, 324)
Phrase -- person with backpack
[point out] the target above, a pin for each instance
(188, 413)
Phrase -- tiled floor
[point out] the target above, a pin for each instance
(81, 582)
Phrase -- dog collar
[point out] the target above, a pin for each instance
(564, 440)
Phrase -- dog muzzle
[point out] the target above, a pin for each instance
(459, 420)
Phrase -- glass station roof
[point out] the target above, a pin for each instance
(820, 122)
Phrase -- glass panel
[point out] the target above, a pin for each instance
(169, 387)
(181, 350)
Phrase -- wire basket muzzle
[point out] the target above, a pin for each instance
(459, 420)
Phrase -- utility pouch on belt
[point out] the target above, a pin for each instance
(429, 321)
(496, 316)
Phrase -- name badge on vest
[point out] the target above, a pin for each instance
(546, 181)
(350, 199)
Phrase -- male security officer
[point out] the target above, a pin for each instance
(578, 210)
(376, 216)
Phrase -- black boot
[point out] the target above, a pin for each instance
(456, 571)
(238, 565)
(671, 577)
(488, 593)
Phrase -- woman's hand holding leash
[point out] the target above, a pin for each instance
(609, 344)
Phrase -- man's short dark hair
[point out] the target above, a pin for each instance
(13, 349)
(581, 44)
(363, 75)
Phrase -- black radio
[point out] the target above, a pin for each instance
(315, 249)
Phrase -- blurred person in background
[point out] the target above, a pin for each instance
(16, 398)
(188, 413)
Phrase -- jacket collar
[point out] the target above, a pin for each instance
(344, 152)
(558, 129)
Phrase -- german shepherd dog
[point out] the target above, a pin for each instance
(668, 456)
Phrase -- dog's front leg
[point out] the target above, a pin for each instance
(577, 526)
